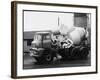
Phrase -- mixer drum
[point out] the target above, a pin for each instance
(76, 35)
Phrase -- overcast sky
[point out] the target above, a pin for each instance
(35, 21)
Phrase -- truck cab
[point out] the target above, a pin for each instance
(41, 47)
(42, 40)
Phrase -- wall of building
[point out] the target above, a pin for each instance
(83, 20)
(80, 20)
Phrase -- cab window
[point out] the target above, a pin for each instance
(37, 37)
(46, 37)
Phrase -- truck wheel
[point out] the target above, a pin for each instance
(75, 53)
(47, 57)
(84, 52)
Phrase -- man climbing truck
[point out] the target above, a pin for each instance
(46, 46)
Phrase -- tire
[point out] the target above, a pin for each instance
(46, 57)
(79, 52)
(75, 53)
(84, 52)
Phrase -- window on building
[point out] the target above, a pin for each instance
(29, 42)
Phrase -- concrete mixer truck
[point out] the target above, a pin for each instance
(76, 44)
(47, 44)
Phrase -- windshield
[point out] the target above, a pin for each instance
(38, 37)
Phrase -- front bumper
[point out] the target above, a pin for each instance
(36, 52)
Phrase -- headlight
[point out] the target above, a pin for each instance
(34, 45)
(32, 52)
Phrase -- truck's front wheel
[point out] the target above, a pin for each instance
(47, 57)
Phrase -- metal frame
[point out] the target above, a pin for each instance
(14, 37)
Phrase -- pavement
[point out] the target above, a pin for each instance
(29, 63)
